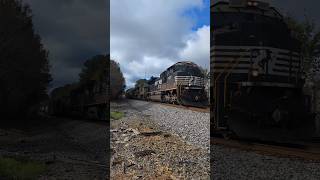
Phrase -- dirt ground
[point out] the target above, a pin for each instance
(71, 149)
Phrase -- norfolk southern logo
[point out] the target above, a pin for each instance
(261, 59)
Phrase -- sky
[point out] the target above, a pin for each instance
(72, 31)
(148, 36)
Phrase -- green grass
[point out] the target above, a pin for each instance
(20, 169)
(116, 115)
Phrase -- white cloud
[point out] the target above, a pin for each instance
(198, 47)
(147, 36)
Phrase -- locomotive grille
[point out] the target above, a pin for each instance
(282, 62)
(189, 80)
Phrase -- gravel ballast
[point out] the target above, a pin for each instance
(230, 163)
(192, 126)
(144, 148)
(226, 163)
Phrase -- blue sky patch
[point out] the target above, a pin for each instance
(200, 16)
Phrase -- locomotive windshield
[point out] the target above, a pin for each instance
(184, 70)
(222, 19)
(249, 29)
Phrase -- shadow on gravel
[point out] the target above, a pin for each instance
(70, 148)
(123, 103)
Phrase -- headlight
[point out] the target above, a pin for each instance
(255, 73)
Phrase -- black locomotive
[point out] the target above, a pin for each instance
(257, 84)
(182, 83)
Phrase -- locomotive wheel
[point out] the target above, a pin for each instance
(168, 99)
(174, 99)
(163, 99)
(179, 101)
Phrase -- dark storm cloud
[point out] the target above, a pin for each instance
(72, 31)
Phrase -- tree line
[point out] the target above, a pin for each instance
(308, 35)
(24, 65)
(97, 83)
(25, 69)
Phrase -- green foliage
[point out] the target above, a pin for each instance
(206, 73)
(64, 91)
(93, 80)
(309, 36)
(116, 115)
(24, 65)
(117, 81)
(14, 169)
(95, 69)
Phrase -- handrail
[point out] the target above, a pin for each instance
(215, 86)
(236, 60)
(225, 80)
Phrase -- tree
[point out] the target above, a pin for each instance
(117, 81)
(94, 78)
(309, 37)
(24, 65)
(90, 89)
(206, 73)
(94, 69)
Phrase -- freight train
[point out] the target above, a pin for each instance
(87, 100)
(182, 83)
(257, 82)
(78, 101)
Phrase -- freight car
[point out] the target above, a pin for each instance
(88, 99)
(182, 83)
(80, 101)
(257, 84)
(91, 102)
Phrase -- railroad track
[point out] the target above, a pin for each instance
(204, 110)
(304, 151)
